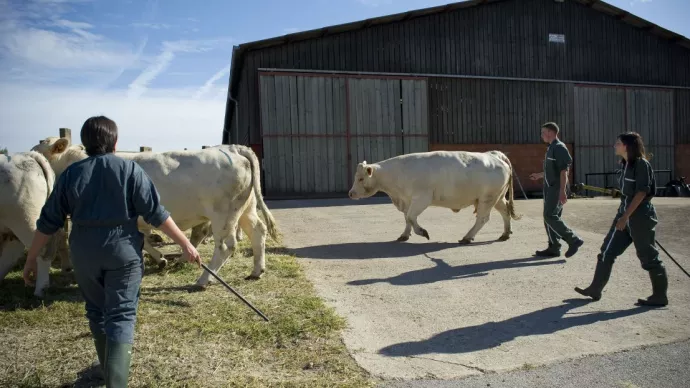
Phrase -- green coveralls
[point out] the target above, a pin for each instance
(556, 160)
(640, 231)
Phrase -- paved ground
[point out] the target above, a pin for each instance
(436, 310)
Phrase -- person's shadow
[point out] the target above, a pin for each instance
(492, 334)
(442, 271)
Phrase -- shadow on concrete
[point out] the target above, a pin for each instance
(376, 250)
(442, 271)
(492, 334)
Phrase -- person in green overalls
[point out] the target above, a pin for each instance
(556, 164)
(105, 195)
(635, 223)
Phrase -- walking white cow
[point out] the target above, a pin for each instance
(450, 179)
(219, 184)
(26, 181)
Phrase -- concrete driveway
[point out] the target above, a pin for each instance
(435, 309)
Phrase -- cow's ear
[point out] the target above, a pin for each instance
(60, 146)
(370, 170)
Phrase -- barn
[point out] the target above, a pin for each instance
(474, 75)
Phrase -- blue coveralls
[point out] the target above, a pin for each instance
(104, 195)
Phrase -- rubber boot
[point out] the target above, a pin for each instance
(601, 277)
(659, 287)
(117, 361)
(99, 341)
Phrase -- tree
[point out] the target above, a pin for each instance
(4, 151)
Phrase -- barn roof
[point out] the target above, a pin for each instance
(598, 5)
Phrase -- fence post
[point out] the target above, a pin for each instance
(66, 133)
(145, 149)
(204, 147)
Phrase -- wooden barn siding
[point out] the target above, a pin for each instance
(481, 111)
(507, 38)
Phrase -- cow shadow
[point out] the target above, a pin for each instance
(492, 334)
(15, 295)
(442, 271)
(376, 250)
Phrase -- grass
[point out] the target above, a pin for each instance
(183, 338)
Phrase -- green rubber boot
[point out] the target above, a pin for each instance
(601, 277)
(659, 287)
(117, 361)
(99, 341)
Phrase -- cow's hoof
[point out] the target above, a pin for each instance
(403, 238)
(465, 241)
(162, 264)
(156, 238)
(425, 234)
(504, 237)
(253, 277)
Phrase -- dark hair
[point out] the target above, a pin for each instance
(633, 145)
(99, 135)
(552, 127)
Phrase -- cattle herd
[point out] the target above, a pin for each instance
(217, 190)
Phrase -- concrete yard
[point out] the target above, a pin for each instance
(437, 310)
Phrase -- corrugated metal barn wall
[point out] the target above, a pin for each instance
(507, 38)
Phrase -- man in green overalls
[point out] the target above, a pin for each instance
(555, 175)
(635, 222)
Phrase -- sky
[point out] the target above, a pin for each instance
(160, 68)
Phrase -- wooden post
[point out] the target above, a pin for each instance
(204, 147)
(145, 149)
(66, 133)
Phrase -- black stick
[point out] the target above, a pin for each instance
(234, 292)
(674, 260)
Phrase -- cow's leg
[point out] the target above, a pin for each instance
(238, 233)
(11, 249)
(199, 234)
(502, 207)
(25, 234)
(402, 206)
(255, 228)
(483, 216)
(155, 253)
(225, 245)
(417, 206)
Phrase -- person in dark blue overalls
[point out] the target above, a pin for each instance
(634, 223)
(104, 195)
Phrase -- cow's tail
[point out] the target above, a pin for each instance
(48, 172)
(256, 182)
(511, 191)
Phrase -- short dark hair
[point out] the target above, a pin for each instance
(552, 127)
(99, 135)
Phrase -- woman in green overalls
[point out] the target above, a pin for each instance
(635, 223)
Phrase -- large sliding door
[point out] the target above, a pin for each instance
(316, 129)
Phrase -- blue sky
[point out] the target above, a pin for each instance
(159, 68)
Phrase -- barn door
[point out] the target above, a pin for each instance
(602, 113)
(316, 129)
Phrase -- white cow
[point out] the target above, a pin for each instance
(26, 181)
(450, 179)
(219, 184)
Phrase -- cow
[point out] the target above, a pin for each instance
(449, 179)
(219, 184)
(26, 181)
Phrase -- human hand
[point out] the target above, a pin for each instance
(562, 198)
(191, 255)
(622, 222)
(30, 268)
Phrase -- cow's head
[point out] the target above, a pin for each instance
(59, 152)
(365, 184)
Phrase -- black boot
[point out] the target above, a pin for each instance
(601, 277)
(117, 362)
(659, 287)
(549, 252)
